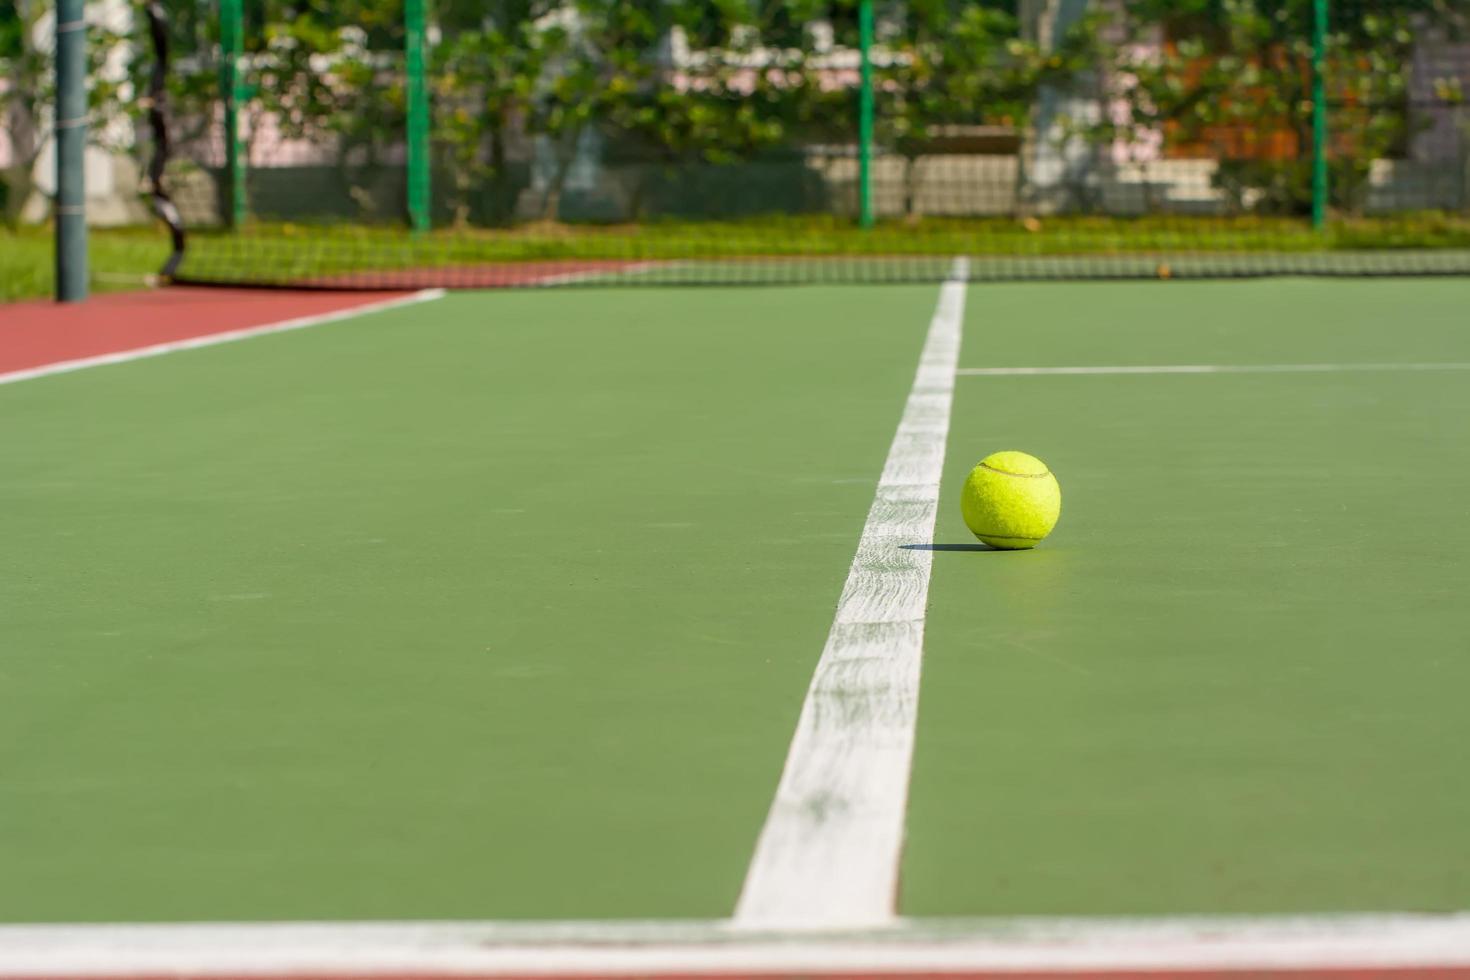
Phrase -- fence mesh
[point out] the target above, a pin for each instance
(690, 141)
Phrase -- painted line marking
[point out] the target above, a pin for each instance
(1359, 945)
(829, 852)
(1208, 369)
(211, 340)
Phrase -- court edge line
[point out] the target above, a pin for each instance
(1320, 945)
(1208, 369)
(828, 854)
(210, 340)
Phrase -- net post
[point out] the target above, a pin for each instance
(232, 43)
(418, 116)
(865, 114)
(1319, 114)
(71, 148)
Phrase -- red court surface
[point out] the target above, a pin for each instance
(41, 333)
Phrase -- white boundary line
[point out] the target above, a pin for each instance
(1381, 943)
(210, 340)
(1208, 369)
(829, 852)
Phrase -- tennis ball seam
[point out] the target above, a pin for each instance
(1024, 476)
(1005, 537)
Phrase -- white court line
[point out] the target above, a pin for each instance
(1208, 369)
(1150, 947)
(210, 340)
(828, 854)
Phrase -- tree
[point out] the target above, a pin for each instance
(328, 74)
(690, 85)
(24, 91)
(581, 86)
(1233, 79)
(951, 62)
(486, 79)
(28, 90)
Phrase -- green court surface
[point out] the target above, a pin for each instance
(504, 606)
(501, 606)
(1234, 679)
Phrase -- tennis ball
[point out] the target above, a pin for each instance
(1011, 501)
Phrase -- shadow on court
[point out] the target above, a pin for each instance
(948, 547)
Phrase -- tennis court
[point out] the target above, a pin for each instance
(476, 628)
(504, 490)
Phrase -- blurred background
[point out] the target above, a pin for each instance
(429, 142)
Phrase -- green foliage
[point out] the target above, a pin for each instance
(12, 35)
(28, 89)
(946, 69)
(192, 84)
(966, 65)
(751, 84)
(736, 93)
(330, 74)
(483, 80)
(26, 85)
(958, 62)
(1234, 77)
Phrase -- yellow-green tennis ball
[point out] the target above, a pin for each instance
(1011, 501)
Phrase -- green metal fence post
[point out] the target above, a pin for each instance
(1319, 114)
(232, 86)
(71, 149)
(865, 114)
(418, 116)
